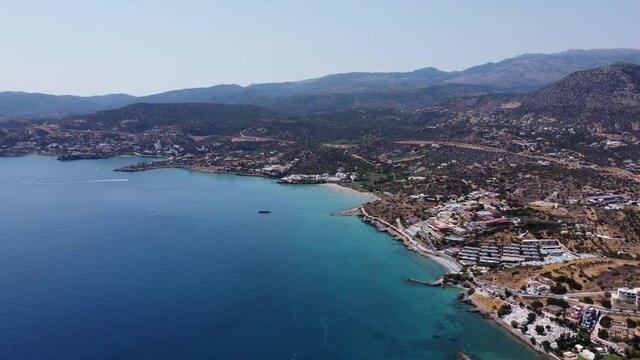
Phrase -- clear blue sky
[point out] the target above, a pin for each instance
(88, 47)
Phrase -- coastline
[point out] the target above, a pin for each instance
(447, 265)
(411, 244)
(507, 328)
(371, 196)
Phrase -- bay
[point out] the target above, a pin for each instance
(176, 264)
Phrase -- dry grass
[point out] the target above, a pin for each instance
(486, 302)
(592, 274)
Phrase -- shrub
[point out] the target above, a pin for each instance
(559, 302)
(605, 322)
(471, 292)
(504, 310)
(536, 304)
(603, 334)
(558, 289)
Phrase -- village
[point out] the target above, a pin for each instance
(553, 313)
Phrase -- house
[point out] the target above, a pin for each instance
(587, 354)
(619, 330)
(628, 295)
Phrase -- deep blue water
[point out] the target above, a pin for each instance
(175, 264)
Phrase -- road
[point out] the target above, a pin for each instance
(569, 164)
(570, 298)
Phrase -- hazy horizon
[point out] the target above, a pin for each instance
(71, 47)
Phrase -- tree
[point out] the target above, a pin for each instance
(559, 302)
(533, 340)
(537, 305)
(558, 288)
(606, 303)
(631, 323)
(605, 322)
(504, 310)
(514, 324)
(587, 300)
(603, 334)
(531, 318)
(539, 329)
(546, 345)
(607, 295)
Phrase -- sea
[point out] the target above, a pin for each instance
(178, 264)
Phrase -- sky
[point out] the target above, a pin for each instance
(140, 47)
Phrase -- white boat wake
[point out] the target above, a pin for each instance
(36, 182)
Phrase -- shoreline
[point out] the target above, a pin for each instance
(337, 186)
(448, 265)
(507, 328)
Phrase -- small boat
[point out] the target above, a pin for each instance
(264, 212)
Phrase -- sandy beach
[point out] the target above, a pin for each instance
(336, 186)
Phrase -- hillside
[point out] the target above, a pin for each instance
(608, 95)
(193, 118)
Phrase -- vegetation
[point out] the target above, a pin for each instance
(559, 302)
(603, 334)
(606, 303)
(605, 321)
(558, 288)
(504, 310)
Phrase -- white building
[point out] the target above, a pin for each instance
(628, 295)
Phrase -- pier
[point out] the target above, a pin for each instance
(437, 283)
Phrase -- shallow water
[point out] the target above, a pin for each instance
(174, 264)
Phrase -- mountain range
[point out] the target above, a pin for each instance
(603, 99)
(402, 90)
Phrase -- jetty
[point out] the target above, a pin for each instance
(437, 283)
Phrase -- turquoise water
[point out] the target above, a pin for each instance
(174, 264)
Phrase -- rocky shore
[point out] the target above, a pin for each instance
(514, 333)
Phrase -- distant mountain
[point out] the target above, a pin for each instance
(532, 71)
(408, 90)
(608, 95)
(21, 104)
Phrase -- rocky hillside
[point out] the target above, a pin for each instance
(608, 96)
